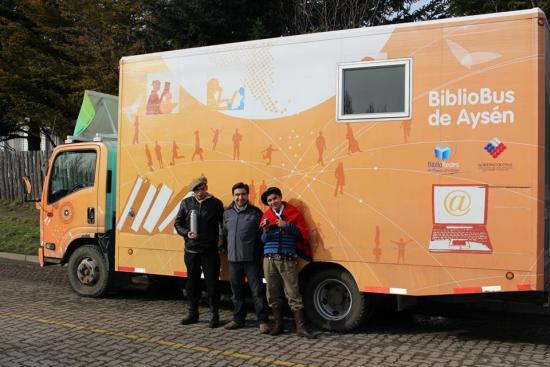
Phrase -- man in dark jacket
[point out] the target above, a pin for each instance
(241, 222)
(201, 247)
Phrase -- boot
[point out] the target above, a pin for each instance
(214, 320)
(277, 321)
(301, 325)
(192, 316)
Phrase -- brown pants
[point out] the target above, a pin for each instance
(282, 274)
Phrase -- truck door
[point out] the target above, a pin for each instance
(70, 199)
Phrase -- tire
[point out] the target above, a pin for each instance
(88, 271)
(333, 302)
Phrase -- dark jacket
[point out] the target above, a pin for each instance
(242, 234)
(210, 213)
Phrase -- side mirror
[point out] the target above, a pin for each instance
(28, 189)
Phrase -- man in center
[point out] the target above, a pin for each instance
(241, 222)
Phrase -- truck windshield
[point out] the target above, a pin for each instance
(71, 171)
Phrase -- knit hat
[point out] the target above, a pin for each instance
(269, 191)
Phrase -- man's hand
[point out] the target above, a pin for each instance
(192, 235)
(280, 223)
(221, 247)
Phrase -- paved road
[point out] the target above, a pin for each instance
(43, 323)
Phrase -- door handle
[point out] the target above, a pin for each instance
(91, 215)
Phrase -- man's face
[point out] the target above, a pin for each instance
(274, 201)
(240, 197)
(201, 192)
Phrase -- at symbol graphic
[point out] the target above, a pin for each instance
(457, 203)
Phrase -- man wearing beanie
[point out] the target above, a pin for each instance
(201, 247)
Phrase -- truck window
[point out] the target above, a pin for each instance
(71, 171)
(374, 90)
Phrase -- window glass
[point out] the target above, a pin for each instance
(71, 171)
(373, 91)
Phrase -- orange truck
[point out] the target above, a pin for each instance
(416, 153)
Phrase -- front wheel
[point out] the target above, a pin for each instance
(333, 302)
(88, 271)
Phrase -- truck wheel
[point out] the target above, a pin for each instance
(88, 272)
(333, 302)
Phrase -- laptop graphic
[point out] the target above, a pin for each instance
(460, 219)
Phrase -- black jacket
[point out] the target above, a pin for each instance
(242, 233)
(210, 213)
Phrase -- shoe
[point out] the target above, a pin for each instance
(264, 328)
(301, 329)
(191, 318)
(277, 321)
(232, 325)
(214, 321)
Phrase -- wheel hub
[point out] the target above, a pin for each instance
(332, 299)
(87, 271)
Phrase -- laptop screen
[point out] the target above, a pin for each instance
(459, 204)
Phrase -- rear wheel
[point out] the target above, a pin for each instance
(88, 271)
(333, 301)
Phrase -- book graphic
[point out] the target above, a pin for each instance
(460, 219)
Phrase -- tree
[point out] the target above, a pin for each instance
(51, 51)
(472, 7)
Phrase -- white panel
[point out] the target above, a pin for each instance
(143, 208)
(169, 218)
(491, 288)
(398, 291)
(157, 209)
(130, 202)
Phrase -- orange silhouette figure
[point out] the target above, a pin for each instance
(166, 104)
(214, 98)
(353, 144)
(216, 138)
(175, 154)
(135, 140)
(266, 154)
(262, 189)
(149, 159)
(198, 150)
(158, 154)
(321, 145)
(340, 179)
(377, 251)
(401, 249)
(153, 102)
(237, 144)
(252, 193)
(406, 126)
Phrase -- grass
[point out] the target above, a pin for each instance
(19, 228)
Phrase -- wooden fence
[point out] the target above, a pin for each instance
(14, 166)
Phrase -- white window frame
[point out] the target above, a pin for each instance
(406, 115)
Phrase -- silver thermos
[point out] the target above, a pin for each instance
(194, 221)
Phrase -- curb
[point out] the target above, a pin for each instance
(19, 257)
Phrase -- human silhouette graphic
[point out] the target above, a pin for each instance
(340, 179)
(149, 159)
(135, 140)
(198, 150)
(401, 249)
(321, 146)
(214, 98)
(353, 144)
(216, 138)
(166, 103)
(406, 126)
(262, 189)
(266, 154)
(153, 102)
(377, 251)
(252, 193)
(158, 154)
(237, 137)
(175, 154)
